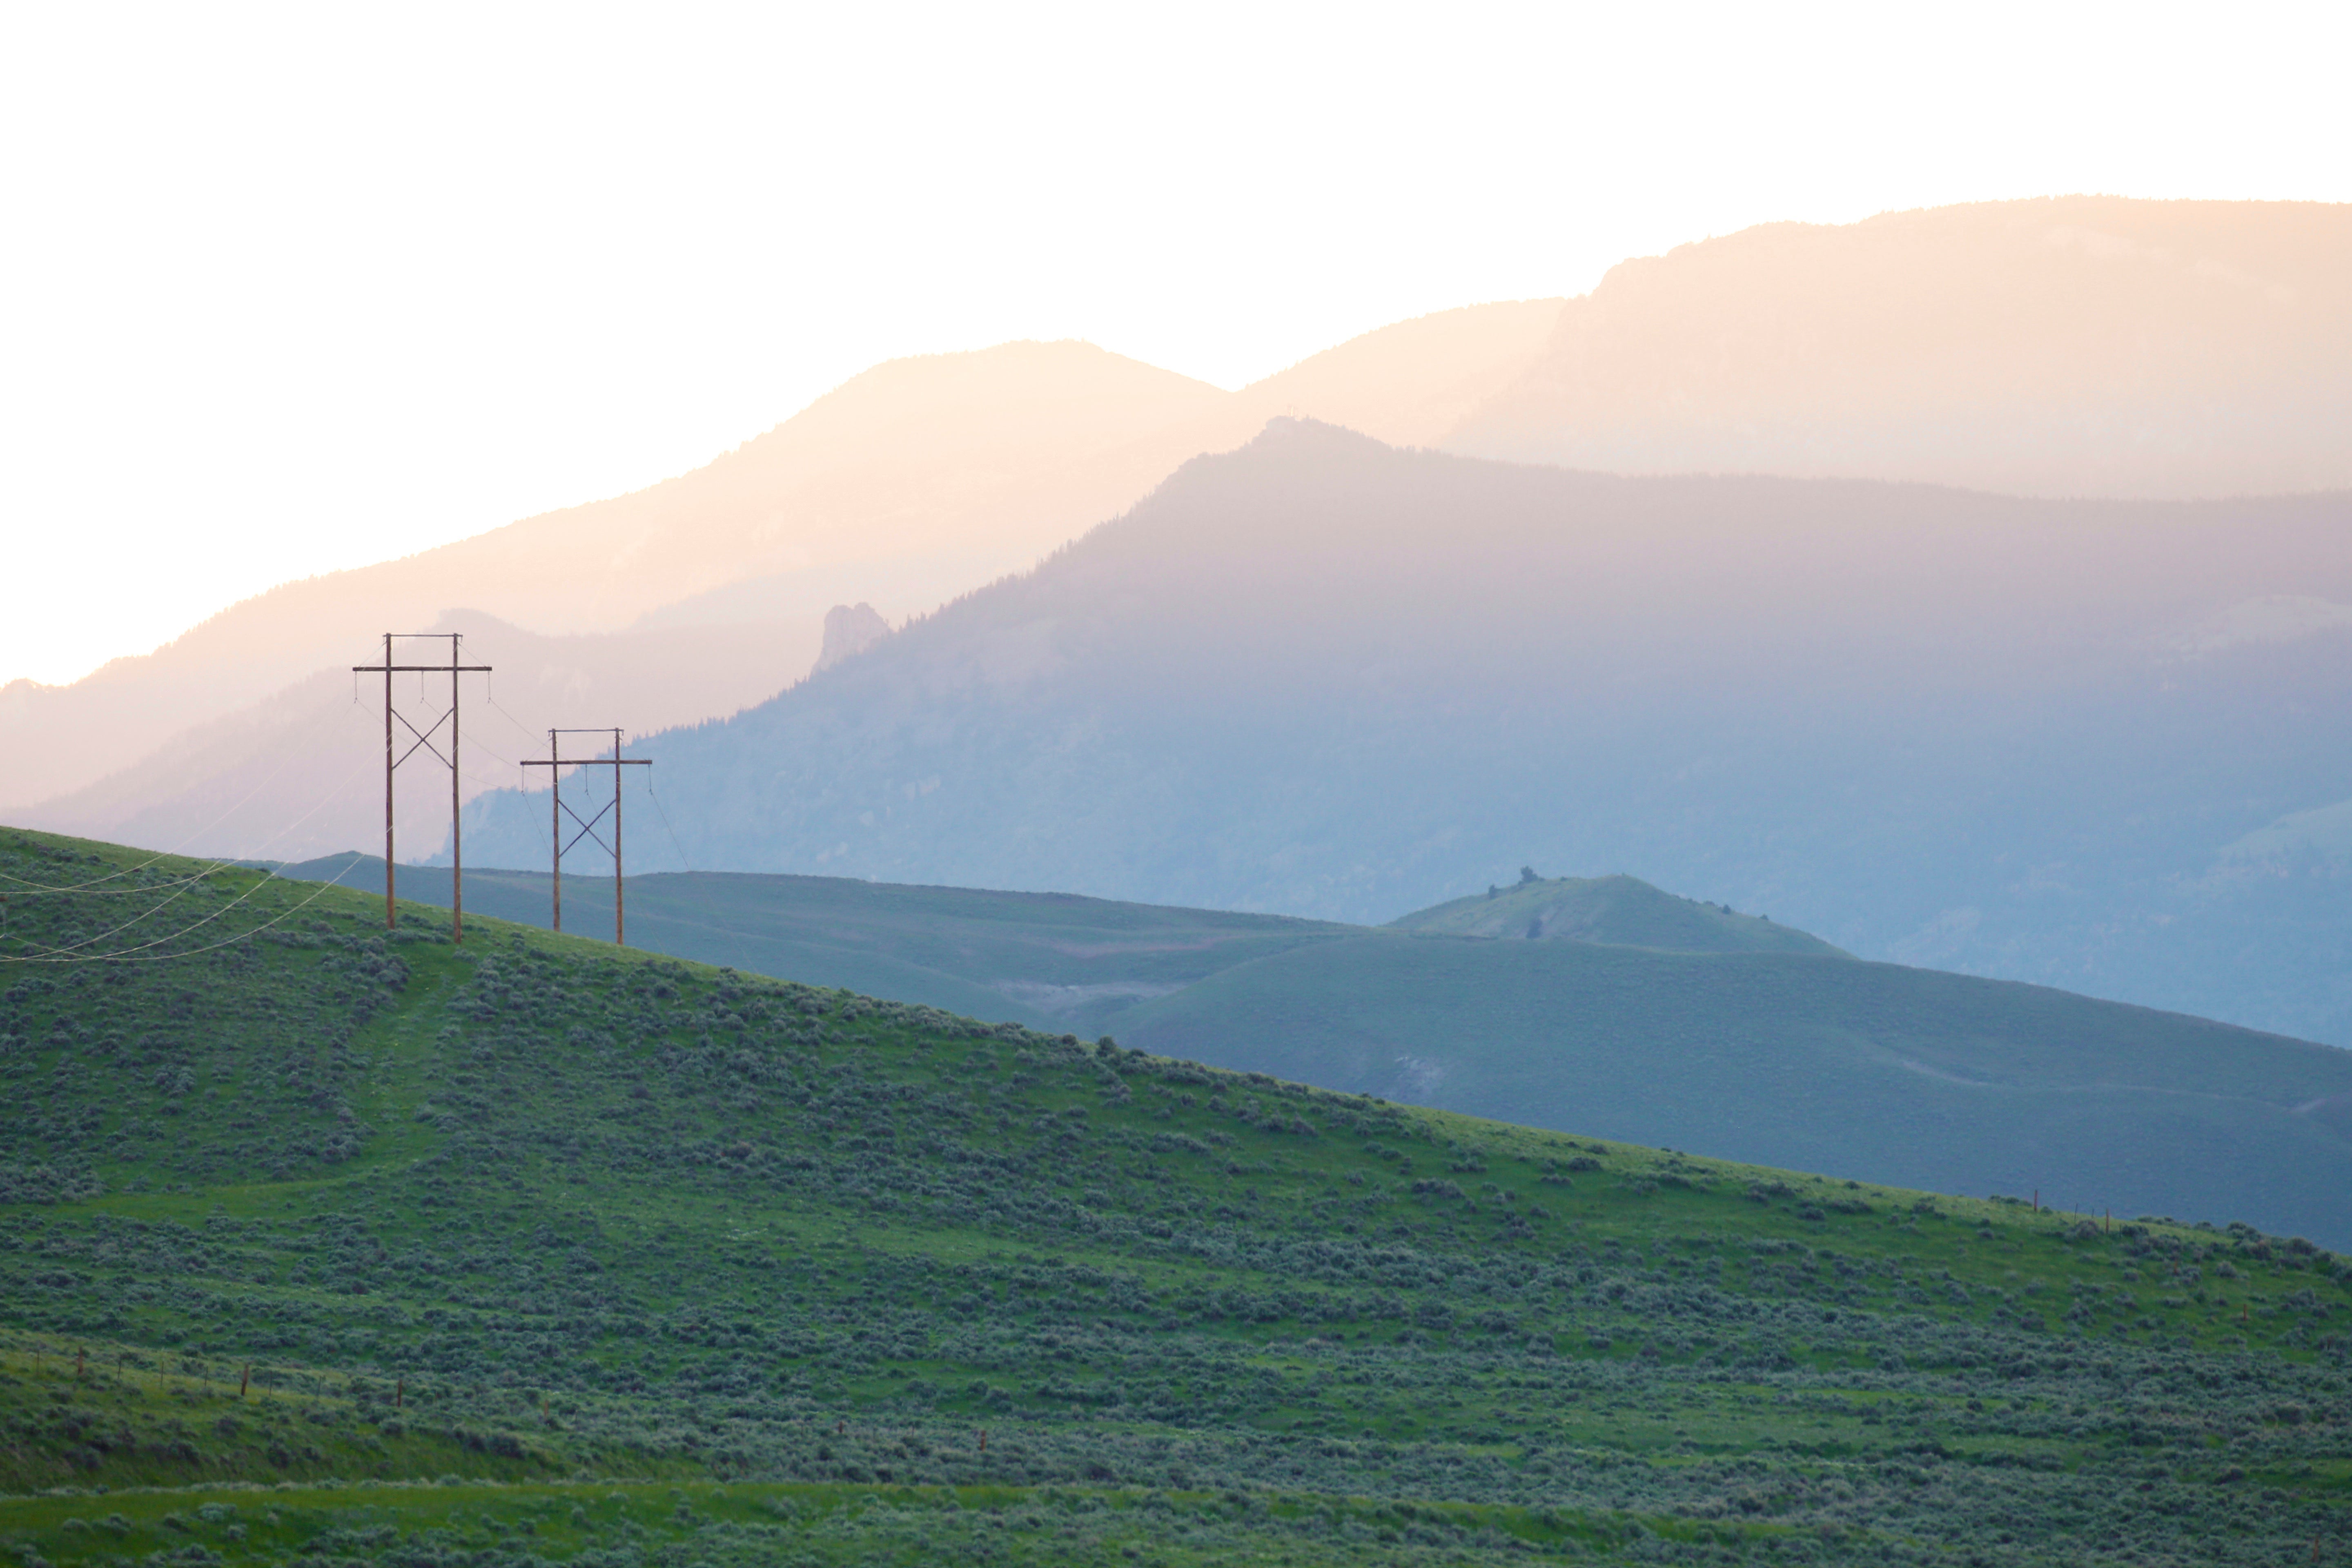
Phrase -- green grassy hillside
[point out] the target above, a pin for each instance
(327, 1244)
(1622, 910)
(1736, 1036)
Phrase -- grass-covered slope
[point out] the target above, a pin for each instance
(1622, 911)
(539, 1251)
(1941, 1081)
(1790, 1056)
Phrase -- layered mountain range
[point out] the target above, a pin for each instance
(2080, 346)
(2081, 743)
(915, 482)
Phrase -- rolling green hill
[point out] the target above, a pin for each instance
(1621, 910)
(1639, 1016)
(320, 1244)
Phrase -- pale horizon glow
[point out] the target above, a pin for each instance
(294, 290)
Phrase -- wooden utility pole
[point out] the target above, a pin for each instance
(424, 739)
(555, 819)
(557, 811)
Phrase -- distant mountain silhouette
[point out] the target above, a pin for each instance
(2076, 345)
(912, 483)
(2089, 346)
(1326, 678)
(970, 465)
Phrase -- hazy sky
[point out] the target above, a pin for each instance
(289, 290)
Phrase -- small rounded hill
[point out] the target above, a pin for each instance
(1616, 911)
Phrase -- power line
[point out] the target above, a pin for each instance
(94, 892)
(684, 864)
(733, 934)
(184, 884)
(493, 785)
(217, 865)
(125, 955)
(481, 745)
(491, 697)
(138, 918)
(30, 890)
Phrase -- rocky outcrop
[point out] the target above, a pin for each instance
(849, 629)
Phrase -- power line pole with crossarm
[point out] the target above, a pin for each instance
(556, 761)
(424, 739)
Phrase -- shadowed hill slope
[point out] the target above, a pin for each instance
(1941, 1081)
(648, 1262)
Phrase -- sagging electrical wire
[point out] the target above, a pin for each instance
(127, 954)
(490, 696)
(684, 863)
(94, 887)
(61, 954)
(522, 773)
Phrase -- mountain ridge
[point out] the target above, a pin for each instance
(916, 482)
(2072, 345)
(913, 483)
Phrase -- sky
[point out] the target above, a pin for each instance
(289, 290)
